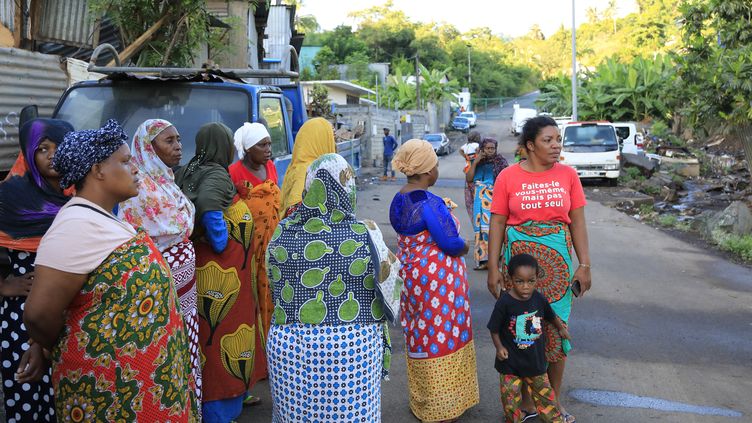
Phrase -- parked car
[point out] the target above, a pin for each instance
(440, 143)
(519, 117)
(461, 124)
(632, 140)
(592, 148)
(471, 117)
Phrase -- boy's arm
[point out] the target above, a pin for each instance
(501, 352)
(553, 318)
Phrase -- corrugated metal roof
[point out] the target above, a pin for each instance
(8, 14)
(277, 42)
(25, 78)
(66, 22)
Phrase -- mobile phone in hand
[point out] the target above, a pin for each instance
(576, 289)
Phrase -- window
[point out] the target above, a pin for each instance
(351, 99)
(622, 132)
(188, 107)
(271, 111)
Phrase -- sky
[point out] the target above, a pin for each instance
(507, 17)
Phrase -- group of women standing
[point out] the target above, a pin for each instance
(146, 277)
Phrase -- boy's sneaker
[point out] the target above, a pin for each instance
(529, 415)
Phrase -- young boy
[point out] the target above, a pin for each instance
(517, 333)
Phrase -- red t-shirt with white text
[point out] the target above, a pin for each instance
(523, 196)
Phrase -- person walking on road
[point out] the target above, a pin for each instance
(518, 337)
(482, 173)
(334, 285)
(167, 215)
(29, 203)
(538, 208)
(315, 138)
(441, 365)
(103, 299)
(390, 145)
(231, 341)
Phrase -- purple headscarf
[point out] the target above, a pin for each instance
(28, 203)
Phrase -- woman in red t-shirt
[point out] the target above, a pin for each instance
(538, 209)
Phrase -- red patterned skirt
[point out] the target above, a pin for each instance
(182, 261)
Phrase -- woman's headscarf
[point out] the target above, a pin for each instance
(315, 138)
(498, 161)
(415, 157)
(28, 203)
(81, 150)
(205, 180)
(249, 135)
(160, 207)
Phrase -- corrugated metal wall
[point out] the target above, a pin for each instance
(278, 34)
(8, 14)
(25, 78)
(65, 21)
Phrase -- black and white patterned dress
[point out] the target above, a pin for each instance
(27, 402)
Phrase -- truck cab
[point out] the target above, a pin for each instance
(592, 148)
(188, 102)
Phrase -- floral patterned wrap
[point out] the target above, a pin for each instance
(124, 355)
(160, 207)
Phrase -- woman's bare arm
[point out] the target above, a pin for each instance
(497, 231)
(578, 227)
(51, 294)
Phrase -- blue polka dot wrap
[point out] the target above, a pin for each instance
(81, 150)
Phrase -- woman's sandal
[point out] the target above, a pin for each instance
(568, 418)
(528, 415)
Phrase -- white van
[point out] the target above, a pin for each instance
(632, 140)
(592, 148)
(519, 117)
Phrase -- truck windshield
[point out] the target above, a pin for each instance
(187, 107)
(590, 139)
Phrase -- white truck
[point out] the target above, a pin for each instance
(592, 148)
(520, 116)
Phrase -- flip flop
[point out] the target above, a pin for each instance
(568, 418)
(251, 400)
(529, 415)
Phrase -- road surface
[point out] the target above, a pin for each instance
(667, 326)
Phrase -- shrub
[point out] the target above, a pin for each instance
(740, 245)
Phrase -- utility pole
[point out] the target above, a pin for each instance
(574, 66)
(417, 82)
(469, 73)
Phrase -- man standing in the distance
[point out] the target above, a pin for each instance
(390, 144)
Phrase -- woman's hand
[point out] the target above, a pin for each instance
(495, 281)
(17, 286)
(582, 274)
(32, 366)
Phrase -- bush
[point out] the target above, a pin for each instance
(668, 220)
(741, 245)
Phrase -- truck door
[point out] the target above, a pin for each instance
(271, 107)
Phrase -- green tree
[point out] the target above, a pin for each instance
(343, 43)
(324, 62)
(386, 31)
(175, 43)
(319, 105)
(715, 67)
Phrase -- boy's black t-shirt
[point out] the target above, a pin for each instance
(519, 325)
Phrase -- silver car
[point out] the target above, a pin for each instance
(440, 143)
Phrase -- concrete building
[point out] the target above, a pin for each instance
(340, 92)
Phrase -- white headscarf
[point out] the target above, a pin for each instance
(249, 135)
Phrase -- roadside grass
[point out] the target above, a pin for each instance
(741, 245)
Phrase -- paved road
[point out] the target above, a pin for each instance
(665, 320)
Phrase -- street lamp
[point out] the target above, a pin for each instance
(574, 67)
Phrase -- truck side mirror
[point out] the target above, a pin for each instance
(27, 113)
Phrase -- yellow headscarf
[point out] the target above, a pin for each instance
(415, 157)
(315, 138)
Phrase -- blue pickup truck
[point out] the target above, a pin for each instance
(190, 98)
